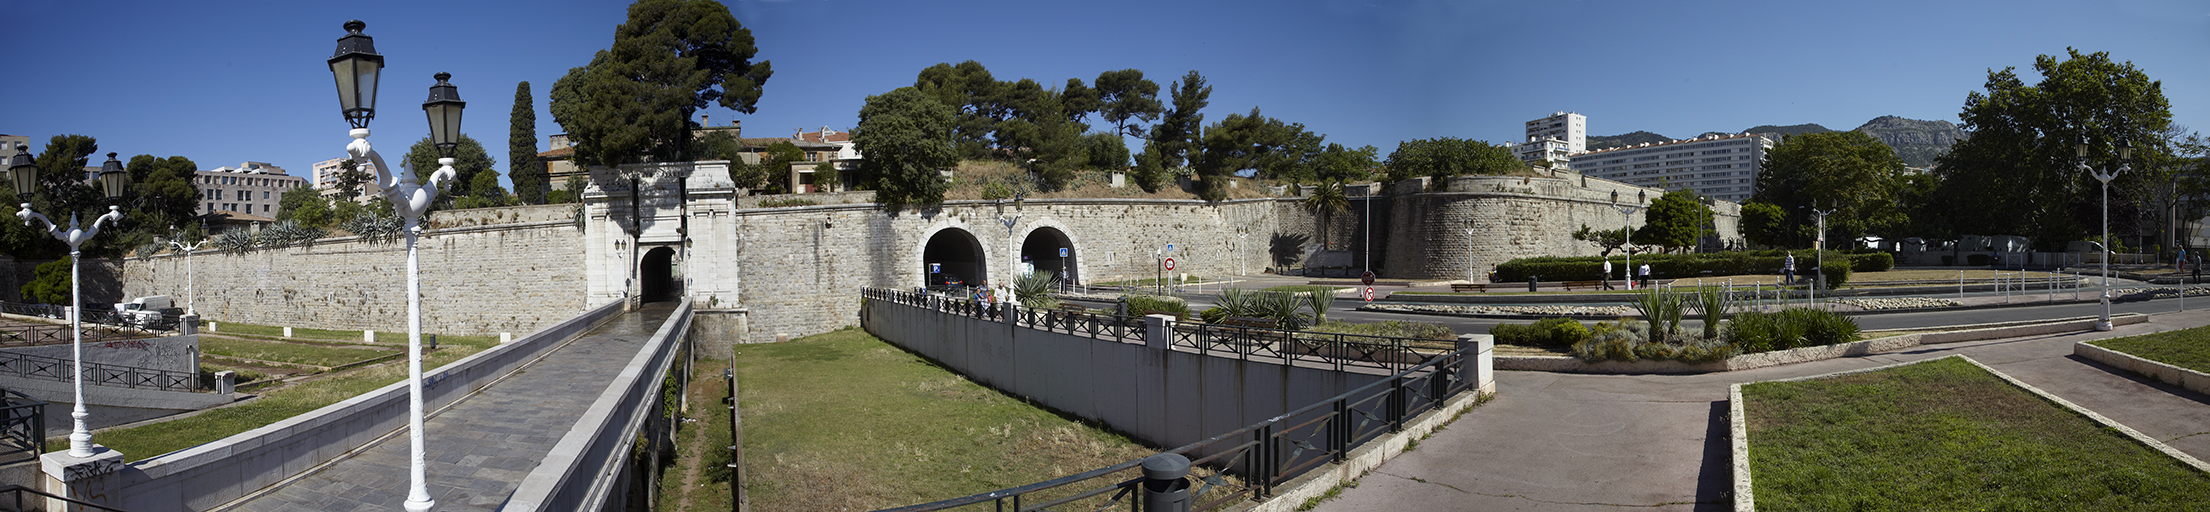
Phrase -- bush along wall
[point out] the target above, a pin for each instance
(1670, 266)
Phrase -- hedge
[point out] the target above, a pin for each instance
(1554, 268)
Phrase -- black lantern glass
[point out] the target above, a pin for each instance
(444, 108)
(112, 177)
(2080, 150)
(356, 65)
(2125, 150)
(23, 172)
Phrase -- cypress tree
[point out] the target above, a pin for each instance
(522, 165)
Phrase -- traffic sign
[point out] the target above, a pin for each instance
(1368, 294)
(1170, 263)
(1169, 247)
(1062, 252)
(1368, 278)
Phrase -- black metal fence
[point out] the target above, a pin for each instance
(57, 369)
(1249, 462)
(16, 498)
(99, 326)
(1246, 463)
(22, 423)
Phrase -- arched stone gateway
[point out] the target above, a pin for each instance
(953, 256)
(657, 275)
(1049, 250)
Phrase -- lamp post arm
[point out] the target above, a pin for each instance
(114, 215)
(26, 214)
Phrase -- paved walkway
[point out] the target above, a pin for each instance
(1554, 441)
(481, 447)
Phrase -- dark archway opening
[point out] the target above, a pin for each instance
(656, 274)
(1049, 251)
(953, 258)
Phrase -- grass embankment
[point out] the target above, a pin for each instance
(2184, 348)
(844, 421)
(1945, 435)
(276, 404)
(302, 333)
(310, 354)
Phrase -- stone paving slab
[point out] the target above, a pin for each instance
(1659, 442)
(479, 449)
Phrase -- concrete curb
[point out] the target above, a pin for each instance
(1739, 438)
(1564, 364)
(1291, 495)
(2184, 378)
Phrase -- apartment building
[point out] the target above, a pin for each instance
(252, 188)
(1723, 167)
(326, 174)
(1555, 139)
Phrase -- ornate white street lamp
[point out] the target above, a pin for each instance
(2125, 156)
(1626, 230)
(356, 66)
(24, 174)
(191, 291)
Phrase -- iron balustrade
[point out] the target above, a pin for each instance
(57, 369)
(24, 422)
(1337, 350)
(1249, 462)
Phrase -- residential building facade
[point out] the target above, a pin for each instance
(1723, 167)
(252, 188)
(326, 175)
(1554, 139)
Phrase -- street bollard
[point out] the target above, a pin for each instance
(1164, 488)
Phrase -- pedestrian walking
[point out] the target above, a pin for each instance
(1788, 269)
(1607, 273)
(1645, 275)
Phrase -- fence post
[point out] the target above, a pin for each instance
(1479, 370)
(736, 446)
(1158, 332)
(1165, 488)
(226, 382)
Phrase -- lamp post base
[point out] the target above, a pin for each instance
(2103, 323)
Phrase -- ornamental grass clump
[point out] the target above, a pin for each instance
(1755, 332)
(1662, 308)
(1629, 340)
(1712, 304)
(1033, 290)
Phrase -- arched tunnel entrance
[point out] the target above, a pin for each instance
(656, 275)
(953, 258)
(1048, 250)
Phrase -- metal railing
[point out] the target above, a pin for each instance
(1338, 351)
(57, 369)
(16, 498)
(22, 422)
(1247, 463)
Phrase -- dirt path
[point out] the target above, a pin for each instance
(694, 441)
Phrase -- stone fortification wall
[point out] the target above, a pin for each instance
(1512, 217)
(514, 278)
(503, 215)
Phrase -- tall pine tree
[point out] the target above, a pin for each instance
(522, 165)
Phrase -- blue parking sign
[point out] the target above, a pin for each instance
(1062, 252)
(936, 268)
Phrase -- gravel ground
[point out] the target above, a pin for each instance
(1883, 303)
(1612, 311)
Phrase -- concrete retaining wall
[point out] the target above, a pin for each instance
(2191, 380)
(579, 473)
(208, 475)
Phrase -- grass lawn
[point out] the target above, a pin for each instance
(1945, 435)
(2184, 348)
(146, 441)
(844, 421)
(295, 353)
(320, 334)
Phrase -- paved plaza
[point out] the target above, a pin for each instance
(1552, 441)
(481, 447)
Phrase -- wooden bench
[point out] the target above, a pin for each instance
(1469, 287)
(1569, 285)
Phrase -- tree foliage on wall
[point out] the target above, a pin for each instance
(908, 139)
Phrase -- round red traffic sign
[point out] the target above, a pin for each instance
(1368, 294)
(1368, 279)
(1169, 263)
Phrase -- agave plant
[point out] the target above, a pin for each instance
(1712, 305)
(1285, 308)
(1033, 289)
(1321, 300)
(234, 240)
(1663, 310)
(1238, 302)
(289, 233)
(376, 229)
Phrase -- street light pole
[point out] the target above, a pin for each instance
(1473, 268)
(356, 66)
(1626, 233)
(24, 173)
(191, 291)
(1819, 276)
(2125, 156)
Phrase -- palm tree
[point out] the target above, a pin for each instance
(1326, 201)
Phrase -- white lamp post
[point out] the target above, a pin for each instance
(2125, 155)
(356, 66)
(191, 291)
(24, 173)
(1626, 231)
(1818, 276)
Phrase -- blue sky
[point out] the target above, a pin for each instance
(226, 82)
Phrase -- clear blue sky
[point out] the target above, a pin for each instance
(226, 82)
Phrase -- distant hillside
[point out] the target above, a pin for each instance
(1918, 142)
(1794, 129)
(1613, 141)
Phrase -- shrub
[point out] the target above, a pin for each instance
(1213, 315)
(1139, 305)
(1790, 328)
(1978, 260)
(1872, 262)
(1556, 333)
(1836, 275)
(1389, 328)
(1827, 327)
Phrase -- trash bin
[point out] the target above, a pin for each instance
(1164, 488)
(1531, 282)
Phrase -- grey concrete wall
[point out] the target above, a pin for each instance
(1164, 397)
(211, 474)
(475, 280)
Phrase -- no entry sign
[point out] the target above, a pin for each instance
(1169, 263)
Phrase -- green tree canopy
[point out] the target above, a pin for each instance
(1449, 156)
(1766, 224)
(1268, 147)
(1674, 220)
(634, 101)
(1340, 164)
(305, 206)
(469, 159)
(908, 139)
(1326, 201)
(1850, 172)
(1607, 239)
(2018, 173)
(1178, 138)
(162, 193)
(1125, 96)
(528, 174)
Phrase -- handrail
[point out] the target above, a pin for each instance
(38, 501)
(23, 420)
(57, 369)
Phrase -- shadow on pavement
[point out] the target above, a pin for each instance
(2143, 380)
(1715, 480)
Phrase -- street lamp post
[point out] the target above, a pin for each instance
(1473, 268)
(24, 173)
(1626, 231)
(2125, 156)
(1012, 269)
(191, 292)
(356, 67)
(1818, 274)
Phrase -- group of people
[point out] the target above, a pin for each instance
(1643, 280)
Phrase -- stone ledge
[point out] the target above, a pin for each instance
(1563, 364)
(2185, 378)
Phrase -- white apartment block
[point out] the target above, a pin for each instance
(1556, 138)
(326, 179)
(1723, 167)
(251, 188)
